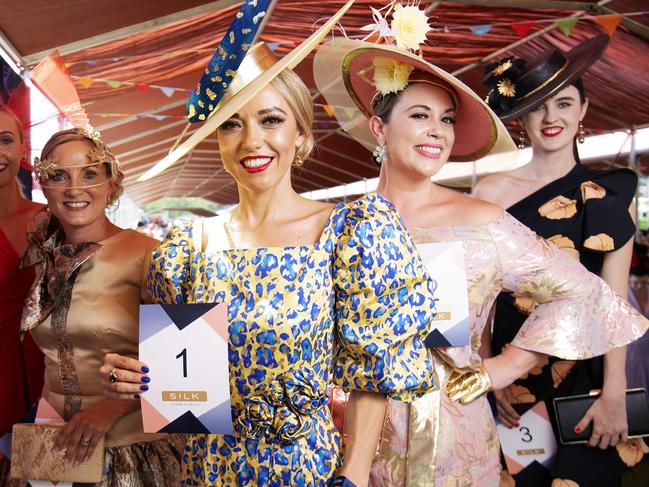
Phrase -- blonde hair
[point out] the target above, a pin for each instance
(21, 136)
(297, 95)
(70, 135)
(19, 125)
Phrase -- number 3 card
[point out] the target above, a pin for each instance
(186, 349)
(533, 440)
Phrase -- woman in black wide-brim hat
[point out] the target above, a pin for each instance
(588, 214)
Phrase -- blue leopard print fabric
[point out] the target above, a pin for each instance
(352, 309)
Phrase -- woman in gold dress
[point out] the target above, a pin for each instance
(84, 303)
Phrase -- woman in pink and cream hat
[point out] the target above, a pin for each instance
(415, 117)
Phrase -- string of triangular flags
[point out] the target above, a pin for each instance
(88, 81)
(609, 23)
(114, 59)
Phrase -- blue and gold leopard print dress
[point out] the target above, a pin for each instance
(352, 309)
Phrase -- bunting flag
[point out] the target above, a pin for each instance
(329, 109)
(168, 91)
(522, 28)
(155, 116)
(609, 22)
(566, 25)
(480, 30)
(86, 82)
(350, 112)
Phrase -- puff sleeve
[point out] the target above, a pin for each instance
(168, 277)
(384, 304)
(577, 315)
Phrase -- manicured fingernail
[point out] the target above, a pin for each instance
(577, 429)
(136, 396)
(146, 379)
(145, 370)
(144, 388)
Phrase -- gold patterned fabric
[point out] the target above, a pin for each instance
(98, 316)
(148, 464)
(56, 266)
(437, 442)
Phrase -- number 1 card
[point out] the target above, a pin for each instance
(186, 349)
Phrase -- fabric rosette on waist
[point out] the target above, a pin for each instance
(282, 411)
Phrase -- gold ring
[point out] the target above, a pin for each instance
(112, 376)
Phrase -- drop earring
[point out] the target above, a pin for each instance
(380, 154)
(581, 133)
(522, 139)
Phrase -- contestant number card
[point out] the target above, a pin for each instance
(186, 348)
(533, 440)
(445, 263)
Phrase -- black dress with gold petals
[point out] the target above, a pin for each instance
(586, 214)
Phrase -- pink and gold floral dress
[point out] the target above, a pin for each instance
(436, 442)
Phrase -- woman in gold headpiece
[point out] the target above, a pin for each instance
(84, 303)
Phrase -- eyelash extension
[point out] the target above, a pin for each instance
(276, 118)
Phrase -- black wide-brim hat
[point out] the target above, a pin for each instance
(549, 73)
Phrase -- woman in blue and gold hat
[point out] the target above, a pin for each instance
(315, 293)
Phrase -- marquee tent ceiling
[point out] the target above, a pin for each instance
(125, 57)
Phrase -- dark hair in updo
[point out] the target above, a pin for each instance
(579, 84)
(382, 105)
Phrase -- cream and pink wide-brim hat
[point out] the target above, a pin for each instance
(343, 72)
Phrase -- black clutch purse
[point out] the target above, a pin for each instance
(569, 411)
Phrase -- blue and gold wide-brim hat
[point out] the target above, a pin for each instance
(236, 87)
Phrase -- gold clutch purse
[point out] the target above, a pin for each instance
(34, 457)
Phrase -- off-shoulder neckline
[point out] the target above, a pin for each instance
(503, 215)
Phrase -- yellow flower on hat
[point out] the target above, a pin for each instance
(390, 75)
(506, 88)
(409, 26)
(501, 68)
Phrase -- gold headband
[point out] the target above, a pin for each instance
(98, 154)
